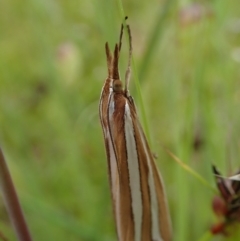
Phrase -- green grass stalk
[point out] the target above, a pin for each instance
(191, 171)
(154, 38)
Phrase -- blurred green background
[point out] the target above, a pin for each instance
(52, 69)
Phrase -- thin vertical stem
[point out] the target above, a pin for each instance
(154, 38)
(12, 203)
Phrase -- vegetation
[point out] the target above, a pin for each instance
(52, 69)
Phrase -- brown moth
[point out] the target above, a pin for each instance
(227, 204)
(138, 196)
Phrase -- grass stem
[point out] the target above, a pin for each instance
(12, 203)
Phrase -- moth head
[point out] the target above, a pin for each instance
(112, 63)
(117, 86)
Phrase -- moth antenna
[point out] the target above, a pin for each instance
(128, 71)
(120, 38)
(121, 34)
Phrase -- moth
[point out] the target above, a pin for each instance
(137, 190)
(227, 205)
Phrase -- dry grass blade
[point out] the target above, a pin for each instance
(12, 203)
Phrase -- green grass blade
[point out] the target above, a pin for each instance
(191, 171)
(154, 38)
